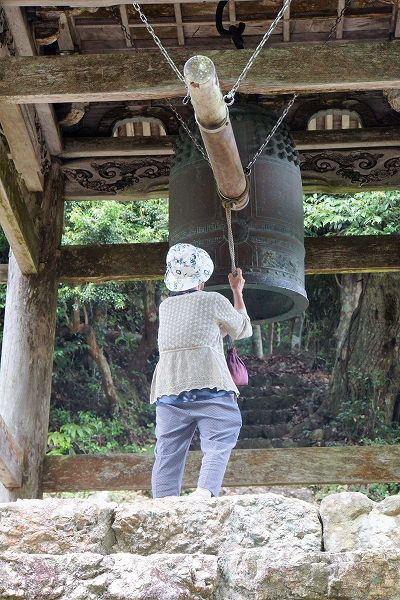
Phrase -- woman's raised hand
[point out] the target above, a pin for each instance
(236, 283)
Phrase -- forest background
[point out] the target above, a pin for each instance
(105, 349)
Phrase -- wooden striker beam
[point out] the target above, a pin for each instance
(212, 117)
(298, 466)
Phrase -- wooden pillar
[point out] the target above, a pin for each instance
(28, 342)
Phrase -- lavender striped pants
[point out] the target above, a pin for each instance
(219, 422)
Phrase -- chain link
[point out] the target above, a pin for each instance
(247, 169)
(127, 34)
(230, 96)
(158, 43)
(339, 18)
(187, 130)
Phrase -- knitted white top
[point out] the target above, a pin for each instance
(191, 346)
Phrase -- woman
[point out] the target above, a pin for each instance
(192, 386)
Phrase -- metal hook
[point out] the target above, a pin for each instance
(229, 99)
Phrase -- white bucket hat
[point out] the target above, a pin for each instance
(187, 267)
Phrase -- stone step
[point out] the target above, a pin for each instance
(261, 442)
(265, 417)
(267, 403)
(258, 573)
(244, 547)
(267, 431)
(247, 392)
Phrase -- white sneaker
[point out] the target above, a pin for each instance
(201, 493)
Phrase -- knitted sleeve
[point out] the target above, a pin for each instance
(235, 322)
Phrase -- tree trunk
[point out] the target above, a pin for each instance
(365, 382)
(28, 342)
(350, 290)
(256, 342)
(146, 346)
(270, 338)
(105, 372)
(297, 333)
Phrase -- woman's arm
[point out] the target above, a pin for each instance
(237, 285)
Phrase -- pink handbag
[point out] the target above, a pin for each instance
(236, 367)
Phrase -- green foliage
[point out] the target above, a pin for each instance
(112, 222)
(365, 213)
(374, 491)
(114, 310)
(4, 247)
(88, 433)
(361, 418)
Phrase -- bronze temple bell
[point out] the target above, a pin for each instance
(268, 232)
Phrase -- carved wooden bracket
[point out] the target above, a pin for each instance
(351, 171)
(119, 176)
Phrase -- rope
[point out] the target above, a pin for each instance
(230, 240)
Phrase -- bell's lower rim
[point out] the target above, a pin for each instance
(268, 304)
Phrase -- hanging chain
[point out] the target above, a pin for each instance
(247, 169)
(187, 130)
(339, 18)
(230, 96)
(127, 34)
(159, 44)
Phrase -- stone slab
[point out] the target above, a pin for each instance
(55, 526)
(254, 574)
(351, 521)
(218, 525)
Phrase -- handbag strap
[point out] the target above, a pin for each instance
(229, 342)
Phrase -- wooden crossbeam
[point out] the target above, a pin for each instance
(158, 146)
(352, 254)
(11, 459)
(97, 3)
(112, 262)
(302, 69)
(123, 262)
(297, 466)
(121, 146)
(128, 262)
(15, 218)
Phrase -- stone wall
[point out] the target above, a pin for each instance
(250, 547)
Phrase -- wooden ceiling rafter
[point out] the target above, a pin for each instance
(286, 24)
(179, 24)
